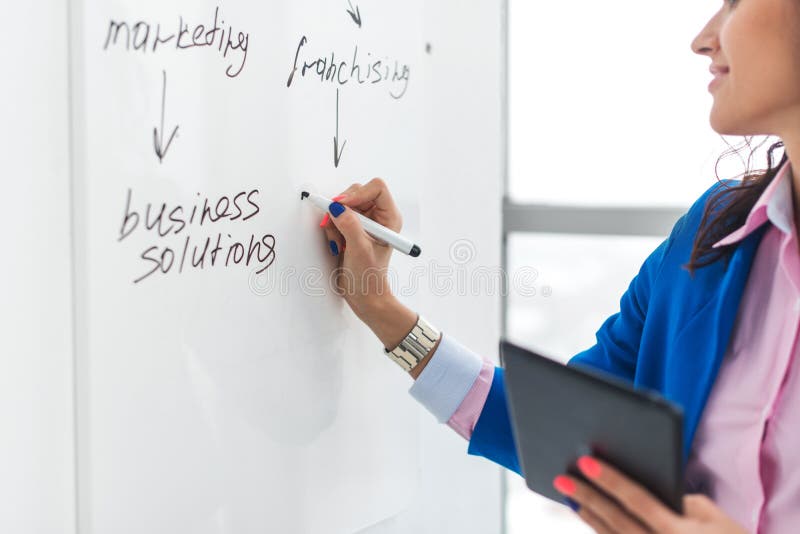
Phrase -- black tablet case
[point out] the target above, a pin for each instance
(558, 413)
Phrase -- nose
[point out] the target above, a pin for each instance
(706, 43)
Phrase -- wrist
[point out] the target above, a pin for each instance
(389, 320)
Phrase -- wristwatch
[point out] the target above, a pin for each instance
(415, 346)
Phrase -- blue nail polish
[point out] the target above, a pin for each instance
(572, 504)
(334, 248)
(336, 209)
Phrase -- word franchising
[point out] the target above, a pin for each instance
(341, 72)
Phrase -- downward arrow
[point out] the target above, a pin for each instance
(354, 13)
(337, 154)
(158, 139)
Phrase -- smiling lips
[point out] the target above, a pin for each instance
(718, 71)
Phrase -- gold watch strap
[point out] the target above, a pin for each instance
(415, 346)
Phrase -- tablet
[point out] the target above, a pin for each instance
(559, 413)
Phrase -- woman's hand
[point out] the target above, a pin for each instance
(362, 277)
(362, 273)
(625, 506)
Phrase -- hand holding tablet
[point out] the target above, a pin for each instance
(561, 413)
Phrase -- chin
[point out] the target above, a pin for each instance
(726, 124)
(732, 121)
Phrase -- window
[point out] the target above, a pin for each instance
(607, 103)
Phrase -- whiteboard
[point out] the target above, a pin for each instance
(221, 386)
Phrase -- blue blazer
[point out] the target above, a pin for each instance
(670, 334)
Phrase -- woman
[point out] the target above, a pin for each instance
(710, 320)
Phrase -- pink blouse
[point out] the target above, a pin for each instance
(745, 451)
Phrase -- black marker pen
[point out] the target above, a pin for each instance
(378, 231)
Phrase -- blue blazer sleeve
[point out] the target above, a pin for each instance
(616, 351)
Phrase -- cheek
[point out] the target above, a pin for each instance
(761, 46)
(762, 82)
(766, 81)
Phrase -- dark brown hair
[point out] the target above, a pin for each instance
(727, 209)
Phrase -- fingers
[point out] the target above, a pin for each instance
(335, 240)
(346, 221)
(375, 191)
(594, 521)
(698, 506)
(636, 499)
(374, 197)
(611, 514)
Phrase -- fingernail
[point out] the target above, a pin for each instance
(324, 220)
(336, 209)
(572, 504)
(564, 485)
(339, 197)
(334, 248)
(589, 466)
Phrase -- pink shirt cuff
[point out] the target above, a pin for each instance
(465, 418)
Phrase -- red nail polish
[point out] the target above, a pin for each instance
(324, 220)
(564, 485)
(589, 466)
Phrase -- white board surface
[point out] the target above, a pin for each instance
(221, 386)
